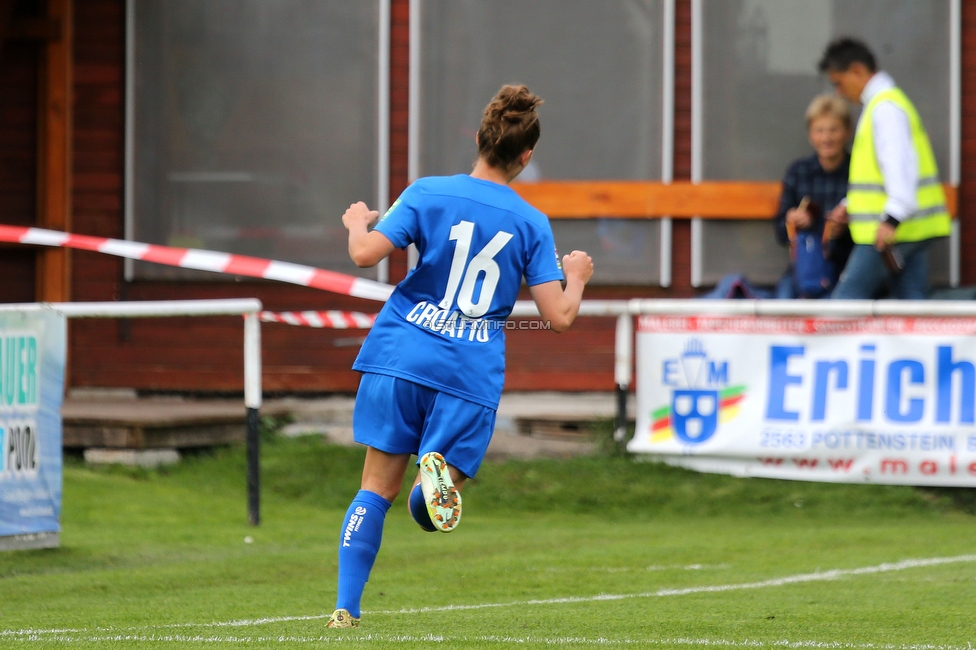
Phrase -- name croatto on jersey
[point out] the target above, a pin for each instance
(430, 316)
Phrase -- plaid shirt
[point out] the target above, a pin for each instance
(806, 177)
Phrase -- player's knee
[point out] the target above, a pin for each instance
(388, 491)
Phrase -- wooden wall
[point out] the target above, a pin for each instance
(204, 355)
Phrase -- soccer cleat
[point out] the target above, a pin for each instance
(441, 497)
(342, 618)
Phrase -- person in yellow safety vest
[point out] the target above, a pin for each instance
(895, 203)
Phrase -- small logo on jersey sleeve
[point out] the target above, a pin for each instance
(390, 211)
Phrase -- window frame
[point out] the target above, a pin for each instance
(382, 181)
(697, 132)
(667, 122)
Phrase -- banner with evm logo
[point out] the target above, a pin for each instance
(881, 400)
(32, 362)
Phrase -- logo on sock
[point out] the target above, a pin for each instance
(355, 521)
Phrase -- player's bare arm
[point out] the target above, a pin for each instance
(557, 305)
(366, 248)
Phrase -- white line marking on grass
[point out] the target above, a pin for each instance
(817, 576)
(242, 623)
(30, 632)
(628, 569)
(246, 623)
(340, 638)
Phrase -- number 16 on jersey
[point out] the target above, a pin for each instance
(465, 274)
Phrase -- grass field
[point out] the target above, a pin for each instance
(603, 551)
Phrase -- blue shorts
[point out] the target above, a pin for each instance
(400, 417)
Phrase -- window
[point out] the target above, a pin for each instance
(759, 73)
(598, 64)
(254, 125)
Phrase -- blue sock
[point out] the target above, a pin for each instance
(359, 542)
(418, 509)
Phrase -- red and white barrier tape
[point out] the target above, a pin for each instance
(193, 258)
(339, 320)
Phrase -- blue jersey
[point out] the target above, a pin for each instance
(443, 327)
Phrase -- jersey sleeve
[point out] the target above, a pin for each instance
(543, 258)
(400, 224)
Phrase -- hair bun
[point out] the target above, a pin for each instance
(509, 125)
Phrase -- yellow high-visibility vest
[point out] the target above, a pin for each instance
(865, 190)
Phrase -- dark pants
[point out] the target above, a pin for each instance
(866, 274)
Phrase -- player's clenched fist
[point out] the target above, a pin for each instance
(579, 265)
(359, 214)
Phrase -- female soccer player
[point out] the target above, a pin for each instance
(434, 362)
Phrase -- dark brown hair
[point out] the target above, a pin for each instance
(843, 52)
(509, 126)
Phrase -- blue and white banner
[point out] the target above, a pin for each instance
(32, 356)
(879, 400)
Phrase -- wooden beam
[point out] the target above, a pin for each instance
(54, 154)
(653, 200)
(641, 199)
(952, 199)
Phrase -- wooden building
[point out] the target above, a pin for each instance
(62, 166)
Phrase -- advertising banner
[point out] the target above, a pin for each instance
(32, 355)
(852, 400)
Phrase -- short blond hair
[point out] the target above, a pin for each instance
(829, 105)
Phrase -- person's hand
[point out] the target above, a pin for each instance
(839, 214)
(885, 236)
(359, 214)
(578, 265)
(799, 219)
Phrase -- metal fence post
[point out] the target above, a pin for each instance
(623, 360)
(252, 404)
